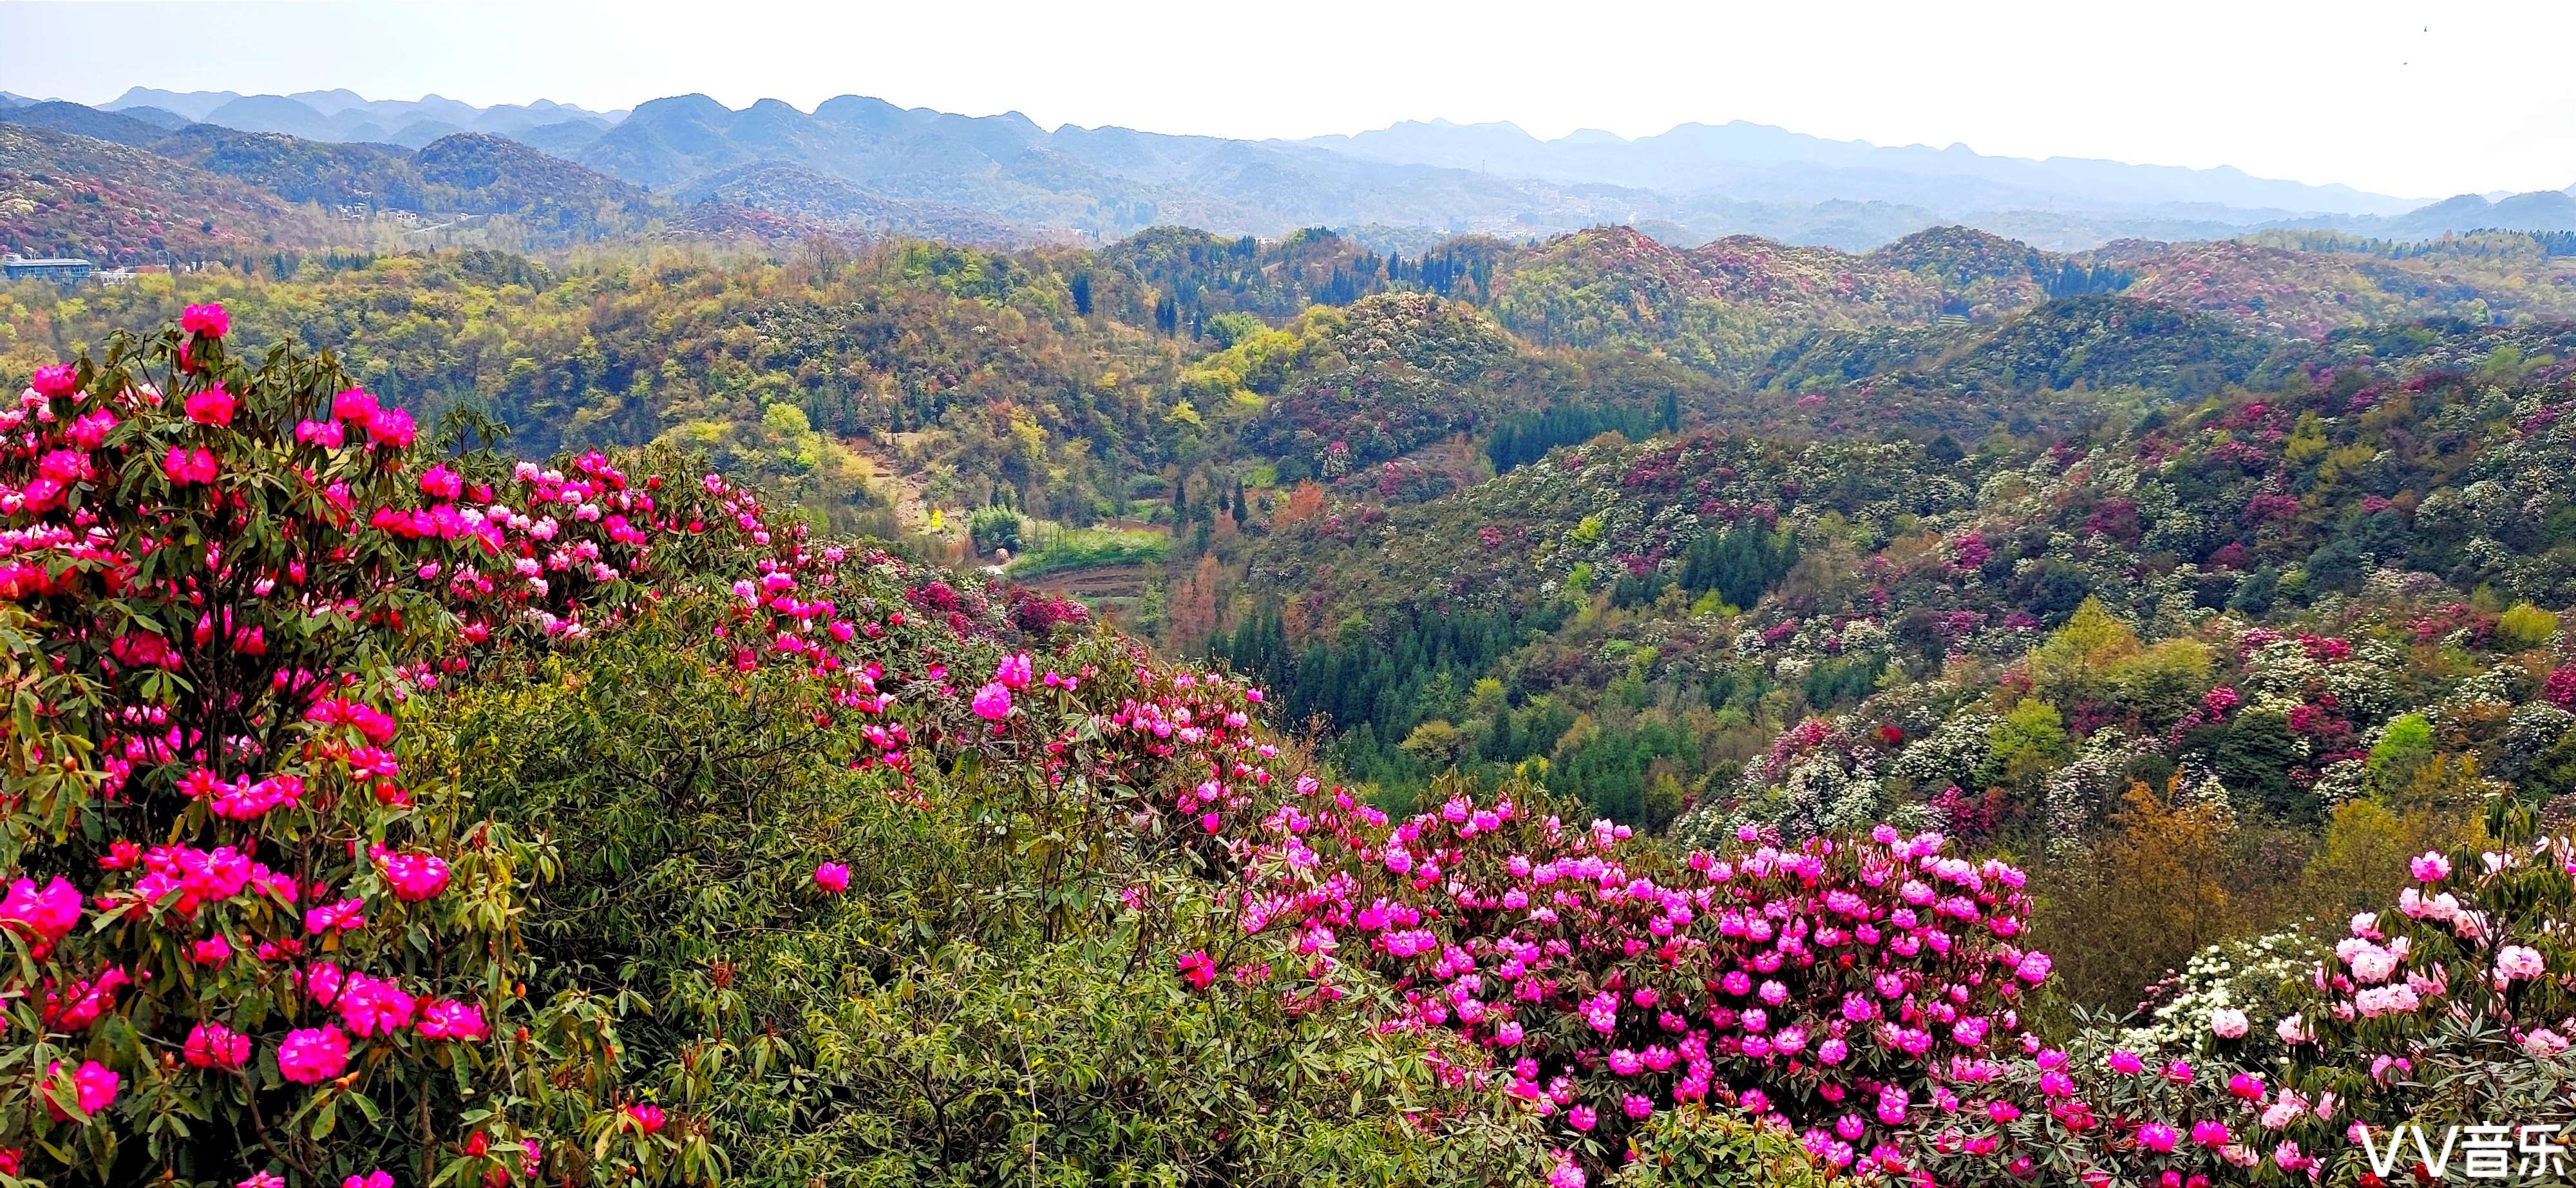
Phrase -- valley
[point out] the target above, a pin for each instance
(867, 645)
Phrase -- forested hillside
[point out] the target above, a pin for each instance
(597, 820)
(1732, 304)
(65, 195)
(121, 191)
(1112, 606)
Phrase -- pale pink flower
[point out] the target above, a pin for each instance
(2518, 963)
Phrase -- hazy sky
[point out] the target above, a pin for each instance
(2417, 99)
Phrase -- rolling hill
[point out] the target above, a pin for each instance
(259, 180)
(1730, 305)
(62, 194)
(136, 129)
(462, 173)
(797, 193)
(343, 115)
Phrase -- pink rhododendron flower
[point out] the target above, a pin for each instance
(2518, 963)
(648, 1118)
(94, 1088)
(2430, 867)
(312, 1055)
(374, 1006)
(438, 482)
(213, 1045)
(42, 917)
(446, 1019)
(214, 406)
(185, 466)
(832, 877)
(354, 406)
(390, 427)
(208, 320)
(345, 915)
(1013, 672)
(374, 1179)
(416, 877)
(993, 702)
(54, 379)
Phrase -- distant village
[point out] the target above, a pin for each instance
(70, 271)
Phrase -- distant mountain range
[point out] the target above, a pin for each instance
(1744, 160)
(347, 116)
(868, 165)
(2540, 210)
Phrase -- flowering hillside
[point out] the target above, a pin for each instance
(287, 686)
(1730, 305)
(73, 196)
(2211, 676)
(2091, 745)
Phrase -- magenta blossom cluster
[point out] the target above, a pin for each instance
(1847, 990)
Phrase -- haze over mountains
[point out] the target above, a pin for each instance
(347, 116)
(869, 165)
(1757, 160)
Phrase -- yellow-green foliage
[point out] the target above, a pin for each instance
(1074, 548)
(978, 1009)
(2076, 664)
(2525, 626)
(2029, 739)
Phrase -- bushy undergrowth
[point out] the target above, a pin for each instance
(993, 996)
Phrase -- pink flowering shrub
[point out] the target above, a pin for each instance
(2453, 1006)
(1693, 1146)
(2473, 968)
(254, 919)
(1846, 990)
(859, 968)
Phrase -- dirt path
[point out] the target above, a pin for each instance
(911, 510)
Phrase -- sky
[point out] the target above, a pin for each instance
(2413, 99)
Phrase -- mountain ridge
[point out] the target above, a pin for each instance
(1649, 161)
(983, 178)
(1694, 182)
